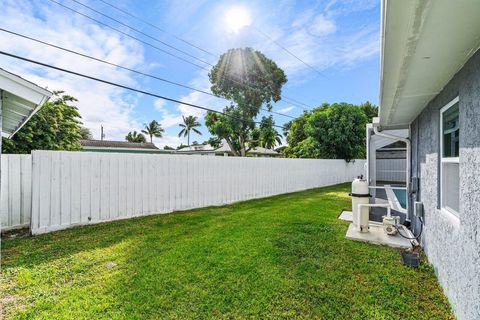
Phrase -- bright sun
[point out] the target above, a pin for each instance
(236, 18)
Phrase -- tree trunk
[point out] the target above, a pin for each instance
(242, 147)
(230, 144)
(188, 138)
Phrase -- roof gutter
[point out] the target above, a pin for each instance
(383, 12)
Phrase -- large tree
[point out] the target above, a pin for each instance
(334, 131)
(190, 123)
(153, 129)
(56, 126)
(249, 79)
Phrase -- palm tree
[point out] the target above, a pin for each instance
(135, 137)
(189, 123)
(153, 129)
(269, 136)
(271, 139)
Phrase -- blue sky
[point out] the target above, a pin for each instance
(338, 38)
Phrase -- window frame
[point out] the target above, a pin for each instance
(447, 159)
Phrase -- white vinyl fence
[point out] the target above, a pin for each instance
(15, 193)
(393, 170)
(77, 188)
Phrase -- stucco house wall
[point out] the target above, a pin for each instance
(452, 245)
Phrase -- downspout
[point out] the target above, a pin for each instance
(367, 169)
(409, 146)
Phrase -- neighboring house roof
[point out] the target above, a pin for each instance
(20, 100)
(121, 146)
(424, 44)
(225, 148)
(260, 150)
(197, 147)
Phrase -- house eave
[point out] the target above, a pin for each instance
(21, 99)
(424, 44)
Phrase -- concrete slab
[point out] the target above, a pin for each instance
(346, 215)
(377, 236)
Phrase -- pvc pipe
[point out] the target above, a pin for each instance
(378, 205)
(382, 187)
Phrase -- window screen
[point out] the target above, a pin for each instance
(450, 167)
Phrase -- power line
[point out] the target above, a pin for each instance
(141, 32)
(290, 52)
(127, 35)
(158, 28)
(124, 86)
(287, 99)
(128, 69)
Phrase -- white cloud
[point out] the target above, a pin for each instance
(318, 42)
(321, 26)
(286, 109)
(159, 104)
(168, 118)
(201, 82)
(167, 140)
(98, 103)
(345, 7)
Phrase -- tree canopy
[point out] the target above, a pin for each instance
(370, 110)
(56, 126)
(335, 131)
(190, 123)
(266, 135)
(134, 136)
(249, 79)
(85, 133)
(153, 129)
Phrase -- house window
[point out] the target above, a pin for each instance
(449, 150)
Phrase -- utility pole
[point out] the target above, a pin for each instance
(102, 135)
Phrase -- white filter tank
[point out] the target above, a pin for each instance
(360, 195)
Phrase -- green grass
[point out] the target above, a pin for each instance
(280, 257)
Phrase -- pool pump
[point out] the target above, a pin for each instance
(390, 224)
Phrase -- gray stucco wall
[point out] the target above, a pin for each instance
(453, 245)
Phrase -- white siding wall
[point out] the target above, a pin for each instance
(15, 195)
(391, 170)
(75, 188)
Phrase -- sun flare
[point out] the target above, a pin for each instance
(236, 18)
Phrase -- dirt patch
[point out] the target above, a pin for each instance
(15, 233)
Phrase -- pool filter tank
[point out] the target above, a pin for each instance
(360, 195)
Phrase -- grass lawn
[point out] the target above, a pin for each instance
(280, 257)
